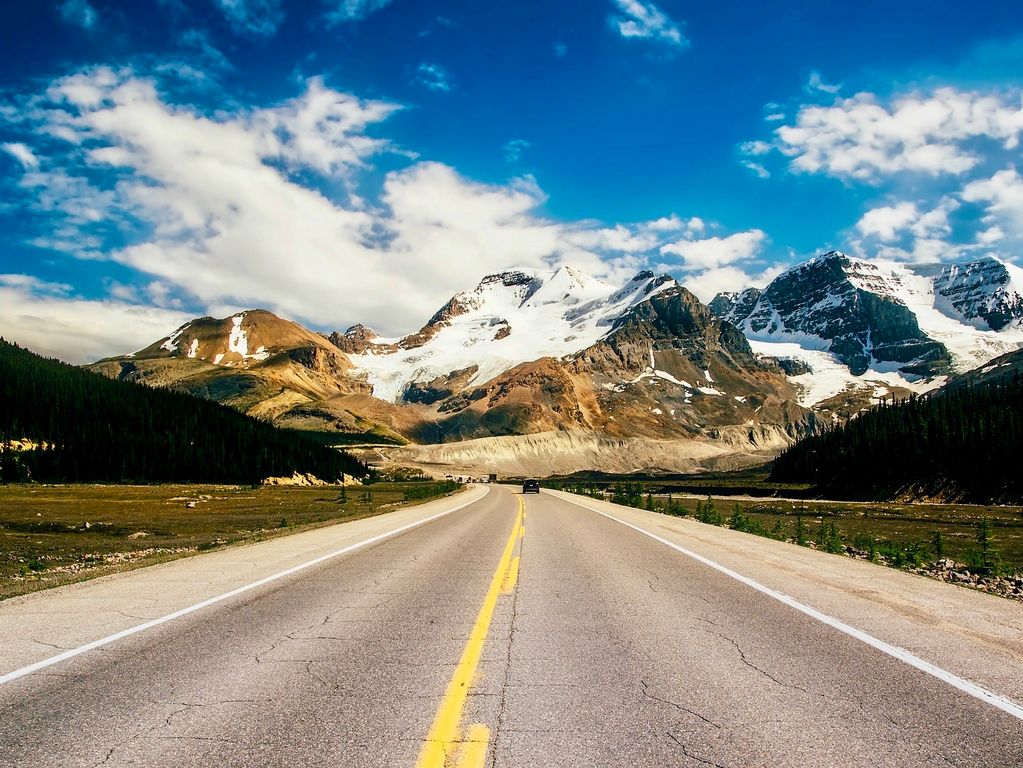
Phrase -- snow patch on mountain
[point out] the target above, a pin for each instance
(238, 341)
(829, 376)
(171, 342)
(543, 313)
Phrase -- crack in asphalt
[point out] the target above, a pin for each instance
(646, 692)
(690, 756)
(761, 670)
(52, 645)
(502, 705)
(105, 759)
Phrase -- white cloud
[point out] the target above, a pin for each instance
(887, 222)
(353, 10)
(710, 282)
(638, 19)
(1003, 196)
(78, 330)
(34, 284)
(79, 13)
(710, 264)
(712, 252)
(258, 18)
(815, 83)
(908, 231)
(219, 210)
(757, 168)
(990, 235)
(864, 138)
(21, 153)
(433, 76)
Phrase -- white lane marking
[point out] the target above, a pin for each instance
(962, 684)
(234, 592)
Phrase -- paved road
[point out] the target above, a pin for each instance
(517, 631)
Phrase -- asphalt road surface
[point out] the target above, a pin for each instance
(516, 631)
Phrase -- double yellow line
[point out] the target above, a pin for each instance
(446, 744)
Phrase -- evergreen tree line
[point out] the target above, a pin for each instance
(93, 429)
(967, 441)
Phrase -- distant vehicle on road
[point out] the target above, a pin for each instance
(531, 486)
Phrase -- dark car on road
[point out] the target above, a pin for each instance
(531, 486)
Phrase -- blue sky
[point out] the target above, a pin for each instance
(344, 161)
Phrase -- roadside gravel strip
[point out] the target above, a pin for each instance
(82, 617)
(971, 641)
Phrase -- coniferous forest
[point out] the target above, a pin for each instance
(964, 444)
(87, 428)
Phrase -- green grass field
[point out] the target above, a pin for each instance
(886, 523)
(51, 535)
(900, 524)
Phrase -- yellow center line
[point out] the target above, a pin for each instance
(444, 738)
(512, 577)
(473, 752)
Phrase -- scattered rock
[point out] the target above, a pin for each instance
(307, 479)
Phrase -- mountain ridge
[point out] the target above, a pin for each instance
(533, 352)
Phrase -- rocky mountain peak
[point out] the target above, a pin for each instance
(988, 291)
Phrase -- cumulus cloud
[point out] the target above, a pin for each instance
(711, 264)
(257, 18)
(712, 252)
(908, 231)
(641, 20)
(867, 139)
(78, 12)
(1002, 195)
(354, 10)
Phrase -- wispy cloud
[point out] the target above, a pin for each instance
(513, 150)
(21, 153)
(642, 20)
(757, 168)
(79, 13)
(433, 76)
(815, 84)
(341, 11)
(256, 18)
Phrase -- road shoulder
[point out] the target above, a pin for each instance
(973, 635)
(40, 625)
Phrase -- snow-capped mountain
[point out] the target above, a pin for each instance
(510, 318)
(875, 323)
(987, 293)
(522, 353)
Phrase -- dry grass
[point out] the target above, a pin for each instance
(51, 535)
